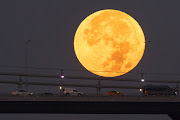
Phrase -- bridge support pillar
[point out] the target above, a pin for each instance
(177, 88)
(98, 88)
(20, 83)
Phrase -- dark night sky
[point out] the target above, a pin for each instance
(51, 26)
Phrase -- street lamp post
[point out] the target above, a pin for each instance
(27, 63)
(141, 84)
(61, 78)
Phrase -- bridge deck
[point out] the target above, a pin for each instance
(95, 98)
(92, 105)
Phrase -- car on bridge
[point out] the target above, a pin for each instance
(21, 93)
(114, 93)
(48, 94)
(71, 92)
(156, 90)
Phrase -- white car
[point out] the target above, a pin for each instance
(22, 93)
(71, 92)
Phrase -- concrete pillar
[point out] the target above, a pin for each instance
(20, 83)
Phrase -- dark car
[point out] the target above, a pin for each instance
(47, 94)
(158, 90)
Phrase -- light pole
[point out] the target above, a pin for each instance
(141, 84)
(27, 63)
(61, 78)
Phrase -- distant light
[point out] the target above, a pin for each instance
(62, 76)
(60, 87)
(140, 90)
(142, 80)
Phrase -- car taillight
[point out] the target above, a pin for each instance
(145, 92)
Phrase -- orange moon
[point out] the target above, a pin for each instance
(109, 43)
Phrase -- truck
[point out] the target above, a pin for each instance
(71, 92)
(158, 90)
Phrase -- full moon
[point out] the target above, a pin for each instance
(109, 43)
